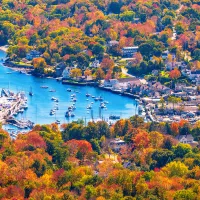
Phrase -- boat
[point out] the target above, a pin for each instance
(57, 121)
(114, 117)
(96, 99)
(106, 102)
(103, 105)
(74, 100)
(24, 106)
(69, 90)
(30, 92)
(89, 107)
(52, 90)
(21, 110)
(15, 114)
(140, 108)
(72, 115)
(73, 95)
(52, 112)
(100, 98)
(8, 72)
(68, 114)
(44, 87)
(53, 98)
(93, 97)
(87, 95)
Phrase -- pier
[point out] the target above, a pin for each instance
(11, 104)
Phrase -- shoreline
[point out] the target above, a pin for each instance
(4, 48)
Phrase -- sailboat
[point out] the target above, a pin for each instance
(30, 93)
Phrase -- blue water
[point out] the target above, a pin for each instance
(40, 104)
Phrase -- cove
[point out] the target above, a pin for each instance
(40, 104)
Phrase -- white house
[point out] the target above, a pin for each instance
(113, 43)
(66, 72)
(117, 144)
(166, 53)
(95, 64)
(110, 83)
(129, 51)
(187, 139)
(32, 54)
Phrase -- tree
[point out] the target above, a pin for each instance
(98, 49)
(141, 140)
(87, 72)
(175, 169)
(39, 65)
(162, 157)
(137, 121)
(185, 195)
(107, 64)
(179, 28)
(174, 100)
(174, 74)
(99, 74)
(146, 50)
(181, 150)
(127, 16)
(75, 73)
(156, 139)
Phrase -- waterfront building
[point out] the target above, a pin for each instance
(129, 51)
(33, 54)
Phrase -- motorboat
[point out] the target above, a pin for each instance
(100, 98)
(87, 95)
(57, 122)
(44, 86)
(69, 90)
(52, 90)
(68, 114)
(52, 112)
(89, 107)
(114, 117)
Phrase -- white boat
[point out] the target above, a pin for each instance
(52, 112)
(68, 114)
(57, 122)
(89, 107)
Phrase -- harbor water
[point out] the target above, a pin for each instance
(40, 104)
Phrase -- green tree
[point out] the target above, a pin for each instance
(185, 195)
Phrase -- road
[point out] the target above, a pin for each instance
(124, 71)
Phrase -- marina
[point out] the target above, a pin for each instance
(40, 103)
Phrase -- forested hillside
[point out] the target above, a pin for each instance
(79, 163)
(78, 31)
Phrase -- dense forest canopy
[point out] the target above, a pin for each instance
(77, 31)
(78, 162)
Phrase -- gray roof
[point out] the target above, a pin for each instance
(188, 137)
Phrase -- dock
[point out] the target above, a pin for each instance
(10, 104)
